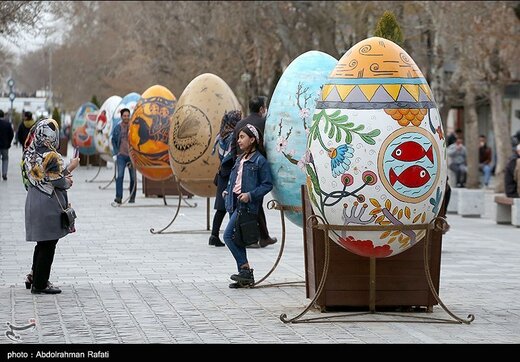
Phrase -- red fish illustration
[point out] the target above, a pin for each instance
(413, 176)
(411, 151)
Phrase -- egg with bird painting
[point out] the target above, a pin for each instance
(83, 128)
(377, 153)
(103, 127)
(148, 133)
(196, 123)
(288, 120)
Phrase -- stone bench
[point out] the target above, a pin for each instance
(508, 210)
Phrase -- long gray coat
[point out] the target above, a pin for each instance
(43, 213)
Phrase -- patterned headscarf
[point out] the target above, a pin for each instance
(229, 121)
(224, 137)
(43, 163)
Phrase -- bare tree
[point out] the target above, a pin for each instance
(15, 15)
(498, 56)
(6, 61)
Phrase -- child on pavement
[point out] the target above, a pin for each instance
(250, 180)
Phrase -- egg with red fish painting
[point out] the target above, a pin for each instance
(376, 154)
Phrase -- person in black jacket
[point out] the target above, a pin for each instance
(24, 128)
(258, 112)
(6, 137)
(512, 175)
(223, 145)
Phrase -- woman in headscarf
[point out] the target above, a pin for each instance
(223, 143)
(46, 198)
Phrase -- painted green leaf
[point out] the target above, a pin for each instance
(341, 119)
(335, 114)
(313, 199)
(331, 132)
(314, 179)
(348, 137)
(368, 140)
(374, 133)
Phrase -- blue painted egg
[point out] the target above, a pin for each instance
(287, 123)
(129, 101)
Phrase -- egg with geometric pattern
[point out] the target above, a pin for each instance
(376, 150)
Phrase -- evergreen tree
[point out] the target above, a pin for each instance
(387, 27)
(56, 115)
(95, 101)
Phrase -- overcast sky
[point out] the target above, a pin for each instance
(26, 42)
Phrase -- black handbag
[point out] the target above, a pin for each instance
(68, 216)
(246, 227)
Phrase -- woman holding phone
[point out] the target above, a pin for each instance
(49, 181)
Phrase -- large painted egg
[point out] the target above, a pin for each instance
(129, 101)
(83, 128)
(148, 133)
(289, 118)
(377, 154)
(195, 124)
(103, 127)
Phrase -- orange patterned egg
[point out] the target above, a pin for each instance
(148, 133)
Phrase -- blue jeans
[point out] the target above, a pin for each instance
(121, 163)
(486, 169)
(4, 153)
(239, 252)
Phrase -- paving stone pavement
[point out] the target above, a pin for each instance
(121, 284)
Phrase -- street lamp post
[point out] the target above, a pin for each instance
(12, 97)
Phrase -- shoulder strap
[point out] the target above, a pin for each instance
(58, 199)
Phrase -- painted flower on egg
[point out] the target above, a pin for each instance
(340, 159)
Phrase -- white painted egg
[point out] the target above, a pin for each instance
(103, 127)
(377, 154)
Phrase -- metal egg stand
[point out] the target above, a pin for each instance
(274, 204)
(318, 223)
(208, 212)
(125, 201)
(92, 180)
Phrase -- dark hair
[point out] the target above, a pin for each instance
(28, 115)
(123, 111)
(256, 103)
(483, 136)
(1, 114)
(258, 142)
(458, 130)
